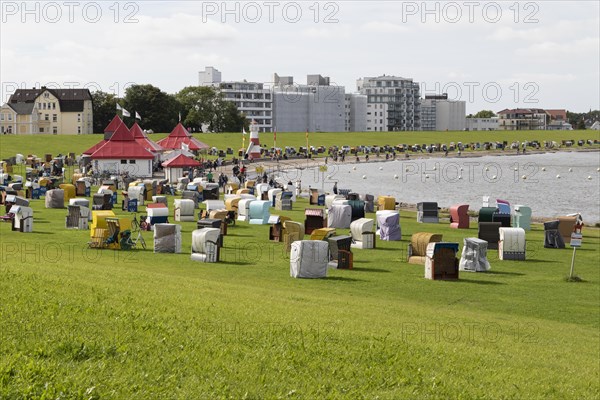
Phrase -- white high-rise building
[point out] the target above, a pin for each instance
(251, 98)
(314, 107)
(356, 112)
(393, 103)
(440, 114)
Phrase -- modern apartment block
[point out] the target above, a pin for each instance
(558, 120)
(48, 111)
(393, 103)
(251, 98)
(314, 107)
(440, 114)
(520, 119)
(356, 112)
(482, 124)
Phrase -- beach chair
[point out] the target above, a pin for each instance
(98, 238)
(205, 246)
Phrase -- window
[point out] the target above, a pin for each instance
(46, 95)
(131, 161)
(44, 106)
(54, 130)
(78, 129)
(54, 106)
(41, 130)
(78, 117)
(1, 117)
(123, 161)
(54, 118)
(47, 117)
(10, 117)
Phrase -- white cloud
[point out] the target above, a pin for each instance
(383, 27)
(585, 47)
(330, 33)
(170, 43)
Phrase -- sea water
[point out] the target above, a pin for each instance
(552, 184)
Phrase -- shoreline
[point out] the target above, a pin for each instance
(276, 168)
(303, 163)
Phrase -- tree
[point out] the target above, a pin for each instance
(159, 110)
(204, 105)
(104, 108)
(233, 120)
(197, 104)
(484, 114)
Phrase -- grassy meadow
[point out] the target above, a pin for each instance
(55, 144)
(79, 323)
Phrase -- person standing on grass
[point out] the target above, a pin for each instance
(335, 188)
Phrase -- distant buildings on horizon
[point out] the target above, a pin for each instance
(383, 103)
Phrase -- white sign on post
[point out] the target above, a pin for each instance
(576, 239)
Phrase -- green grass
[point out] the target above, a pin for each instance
(55, 144)
(78, 323)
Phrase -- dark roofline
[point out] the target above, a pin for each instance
(60, 94)
(70, 100)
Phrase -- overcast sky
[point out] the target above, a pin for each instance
(494, 55)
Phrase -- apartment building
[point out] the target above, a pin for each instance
(521, 119)
(250, 98)
(48, 111)
(316, 106)
(393, 103)
(440, 114)
(355, 112)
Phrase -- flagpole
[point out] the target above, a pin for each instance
(307, 142)
(243, 142)
(307, 150)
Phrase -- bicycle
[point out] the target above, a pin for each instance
(137, 227)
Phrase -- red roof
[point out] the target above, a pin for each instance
(137, 131)
(122, 134)
(558, 114)
(180, 161)
(178, 136)
(95, 147)
(122, 145)
(141, 137)
(180, 131)
(113, 125)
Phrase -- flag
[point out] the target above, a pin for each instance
(185, 146)
(119, 108)
(179, 117)
(137, 116)
(125, 112)
(244, 131)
